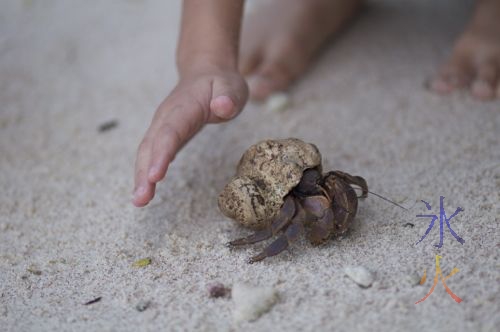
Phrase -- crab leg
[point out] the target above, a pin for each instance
(322, 228)
(291, 234)
(345, 206)
(281, 243)
(356, 180)
(285, 215)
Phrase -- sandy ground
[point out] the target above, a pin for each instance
(68, 233)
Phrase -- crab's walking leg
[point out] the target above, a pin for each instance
(356, 180)
(285, 215)
(322, 228)
(344, 207)
(290, 235)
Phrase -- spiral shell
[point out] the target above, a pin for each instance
(266, 173)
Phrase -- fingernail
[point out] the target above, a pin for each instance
(223, 107)
(139, 192)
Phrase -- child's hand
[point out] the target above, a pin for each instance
(212, 97)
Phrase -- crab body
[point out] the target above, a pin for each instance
(279, 188)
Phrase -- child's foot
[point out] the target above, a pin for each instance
(475, 61)
(282, 36)
(210, 96)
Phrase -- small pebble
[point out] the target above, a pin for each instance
(409, 224)
(412, 279)
(34, 270)
(251, 302)
(217, 289)
(108, 125)
(359, 275)
(97, 299)
(142, 262)
(142, 305)
(277, 102)
(4, 311)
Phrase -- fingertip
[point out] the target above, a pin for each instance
(139, 203)
(138, 197)
(223, 107)
(142, 196)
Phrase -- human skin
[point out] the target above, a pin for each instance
(281, 38)
(210, 89)
(279, 42)
(474, 63)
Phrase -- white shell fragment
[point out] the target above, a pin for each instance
(359, 275)
(277, 102)
(251, 302)
(412, 279)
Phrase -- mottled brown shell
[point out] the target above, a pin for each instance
(266, 173)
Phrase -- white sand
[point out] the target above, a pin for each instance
(65, 209)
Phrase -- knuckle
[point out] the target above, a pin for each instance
(145, 143)
(139, 174)
(170, 133)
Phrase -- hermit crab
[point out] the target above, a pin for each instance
(279, 188)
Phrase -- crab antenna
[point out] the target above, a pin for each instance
(386, 199)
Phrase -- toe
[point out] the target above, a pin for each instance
(441, 85)
(269, 78)
(482, 90)
(260, 87)
(248, 62)
(281, 65)
(483, 87)
(454, 75)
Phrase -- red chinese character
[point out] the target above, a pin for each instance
(439, 273)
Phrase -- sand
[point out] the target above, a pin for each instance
(69, 234)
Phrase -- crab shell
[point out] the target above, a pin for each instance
(266, 173)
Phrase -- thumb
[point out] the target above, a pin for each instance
(228, 98)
